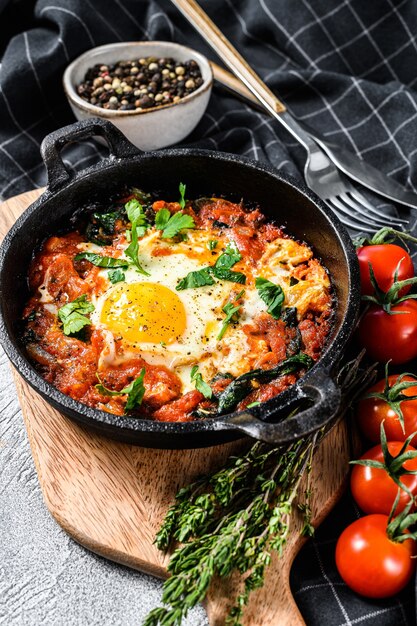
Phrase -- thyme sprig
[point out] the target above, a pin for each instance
(236, 518)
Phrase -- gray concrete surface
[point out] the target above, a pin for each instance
(45, 577)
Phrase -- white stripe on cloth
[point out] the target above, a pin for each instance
(74, 15)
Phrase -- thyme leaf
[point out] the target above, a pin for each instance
(235, 518)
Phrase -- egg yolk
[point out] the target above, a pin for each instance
(144, 312)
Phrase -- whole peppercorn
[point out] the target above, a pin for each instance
(139, 84)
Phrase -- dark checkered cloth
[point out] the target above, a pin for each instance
(348, 68)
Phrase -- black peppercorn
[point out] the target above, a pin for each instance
(139, 84)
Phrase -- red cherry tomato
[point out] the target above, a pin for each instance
(390, 336)
(374, 490)
(384, 259)
(372, 411)
(369, 562)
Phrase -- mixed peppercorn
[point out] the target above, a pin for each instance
(140, 84)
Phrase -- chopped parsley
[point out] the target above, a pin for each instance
(272, 295)
(115, 276)
(182, 189)
(200, 384)
(227, 260)
(101, 261)
(161, 218)
(233, 277)
(137, 218)
(136, 214)
(135, 391)
(199, 278)
(73, 315)
(229, 257)
(212, 244)
(220, 270)
(232, 314)
(172, 225)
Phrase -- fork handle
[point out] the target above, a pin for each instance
(229, 55)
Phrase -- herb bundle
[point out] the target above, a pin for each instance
(234, 519)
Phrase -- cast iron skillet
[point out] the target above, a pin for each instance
(205, 173)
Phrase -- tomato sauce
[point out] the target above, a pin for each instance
(70, 363)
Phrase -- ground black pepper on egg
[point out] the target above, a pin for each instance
(139, 84)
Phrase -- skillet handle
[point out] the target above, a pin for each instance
(58, 175)
(320, 390)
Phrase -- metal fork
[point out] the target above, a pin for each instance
(321, 175)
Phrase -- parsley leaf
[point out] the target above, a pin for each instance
(232, 315)
(199, 278)
(220, 270)
(101, 261)
(135, 213)
(135, 391)
(233, 277)
(182, 189)
(137, 218)
(199, 383)
(272, 295)
(72, 315)
(229, 257)
(212, 244)
(116, 276)
(226, 260)
(171, 225)
(161, 218)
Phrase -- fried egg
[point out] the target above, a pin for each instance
(146, 316)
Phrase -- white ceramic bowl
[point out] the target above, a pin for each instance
(150, 129)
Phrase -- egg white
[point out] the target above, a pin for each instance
(203, 305)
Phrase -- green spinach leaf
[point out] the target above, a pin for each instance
(272, 295)
(101, 261)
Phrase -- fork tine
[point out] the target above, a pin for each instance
(361, 211)
(346, 219)
(357, 216)
(371, 209)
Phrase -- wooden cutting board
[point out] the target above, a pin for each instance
(111, 497)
